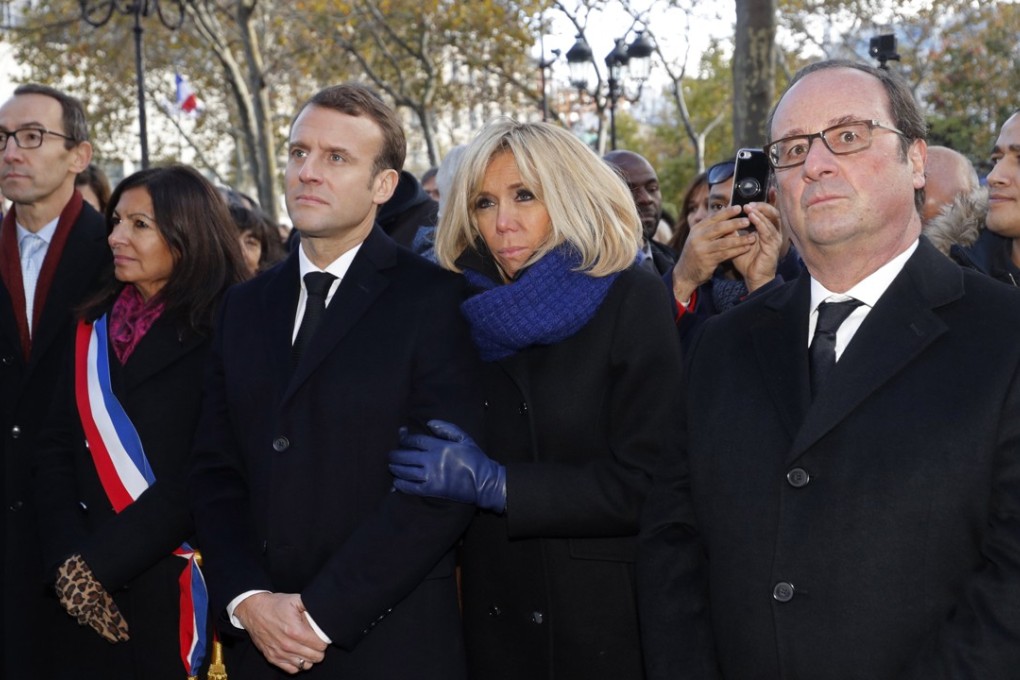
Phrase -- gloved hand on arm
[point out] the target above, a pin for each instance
(448, 465)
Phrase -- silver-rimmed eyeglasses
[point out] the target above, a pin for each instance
(28, 138)
(840, 139)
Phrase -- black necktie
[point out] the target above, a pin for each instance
(317, 284)
(831, 316)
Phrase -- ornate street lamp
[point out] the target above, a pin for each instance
(624, 62)
(99, 12)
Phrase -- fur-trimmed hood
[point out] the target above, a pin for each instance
(960, 222)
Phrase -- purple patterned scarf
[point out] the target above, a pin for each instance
(130, 319)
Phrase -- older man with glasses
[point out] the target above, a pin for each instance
(848, 501)
(728, 255)
(52, 249)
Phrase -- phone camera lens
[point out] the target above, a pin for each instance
(748, 187)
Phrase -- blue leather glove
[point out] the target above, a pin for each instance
(449, 465)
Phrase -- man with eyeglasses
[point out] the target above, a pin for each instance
(52, 249)
(847, 504)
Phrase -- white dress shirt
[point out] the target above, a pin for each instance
(868, 291)
(337, 268)
(32, 249)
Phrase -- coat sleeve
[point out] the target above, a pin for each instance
(601, 495)
(671, 572)
(218, 490)
(981, 637)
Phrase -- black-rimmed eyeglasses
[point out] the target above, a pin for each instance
(28, 138)
(841, 139)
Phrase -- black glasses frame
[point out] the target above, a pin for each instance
(770, 149)
(16, 135)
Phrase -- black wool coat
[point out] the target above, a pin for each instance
(130, 553)
(873, 532)
(291, 486)
(32, 616)
(548, 586)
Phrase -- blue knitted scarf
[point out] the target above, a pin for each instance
(547, 303)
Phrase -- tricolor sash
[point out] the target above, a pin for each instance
(125, 473)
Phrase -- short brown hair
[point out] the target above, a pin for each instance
(75, 125)
(355, 99)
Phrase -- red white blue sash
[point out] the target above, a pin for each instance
(125, 472)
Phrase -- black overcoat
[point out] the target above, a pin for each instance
(291, 488)
(130, 552)
(871, 533)
(549, 585)
(32, 615)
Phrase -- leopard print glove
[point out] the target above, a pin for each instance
(84, 598)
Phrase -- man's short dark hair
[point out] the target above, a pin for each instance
(355, 99)
(75, 125)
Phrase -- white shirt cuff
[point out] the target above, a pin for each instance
(232, 605)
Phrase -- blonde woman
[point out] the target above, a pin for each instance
(581, 361)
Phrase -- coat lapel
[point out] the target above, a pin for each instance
(899, 327)
(73, 279)
(280, 305)
(161, 346)
(782, 326)
(360, 287)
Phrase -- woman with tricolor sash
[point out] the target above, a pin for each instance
(111, 472)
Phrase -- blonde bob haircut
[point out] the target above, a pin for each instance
(589, 205)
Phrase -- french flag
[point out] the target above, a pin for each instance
(186, 99)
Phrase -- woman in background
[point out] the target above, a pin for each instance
(113, 506)
(258, 236)
(581, 396)
(693, 209)
(94, 187)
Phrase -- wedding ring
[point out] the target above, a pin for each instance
(301, 664)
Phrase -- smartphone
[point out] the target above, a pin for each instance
(750, 177)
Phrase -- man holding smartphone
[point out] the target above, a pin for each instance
(847, 504)
(728, 255)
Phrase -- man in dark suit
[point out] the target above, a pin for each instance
(305, 546)
(643, 182)
(52, 249)
(848, 501)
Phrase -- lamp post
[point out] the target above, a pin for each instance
(624, 61)
(98, 14)
(544, 64)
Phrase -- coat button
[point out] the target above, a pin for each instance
(524, 408)
(798, 477)
(281, 444)
(537, 617)
(783, 592)
(15, 432)
(16, 506)
(7, 360)
(83, 506)
(495, 612)
(485, 404)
